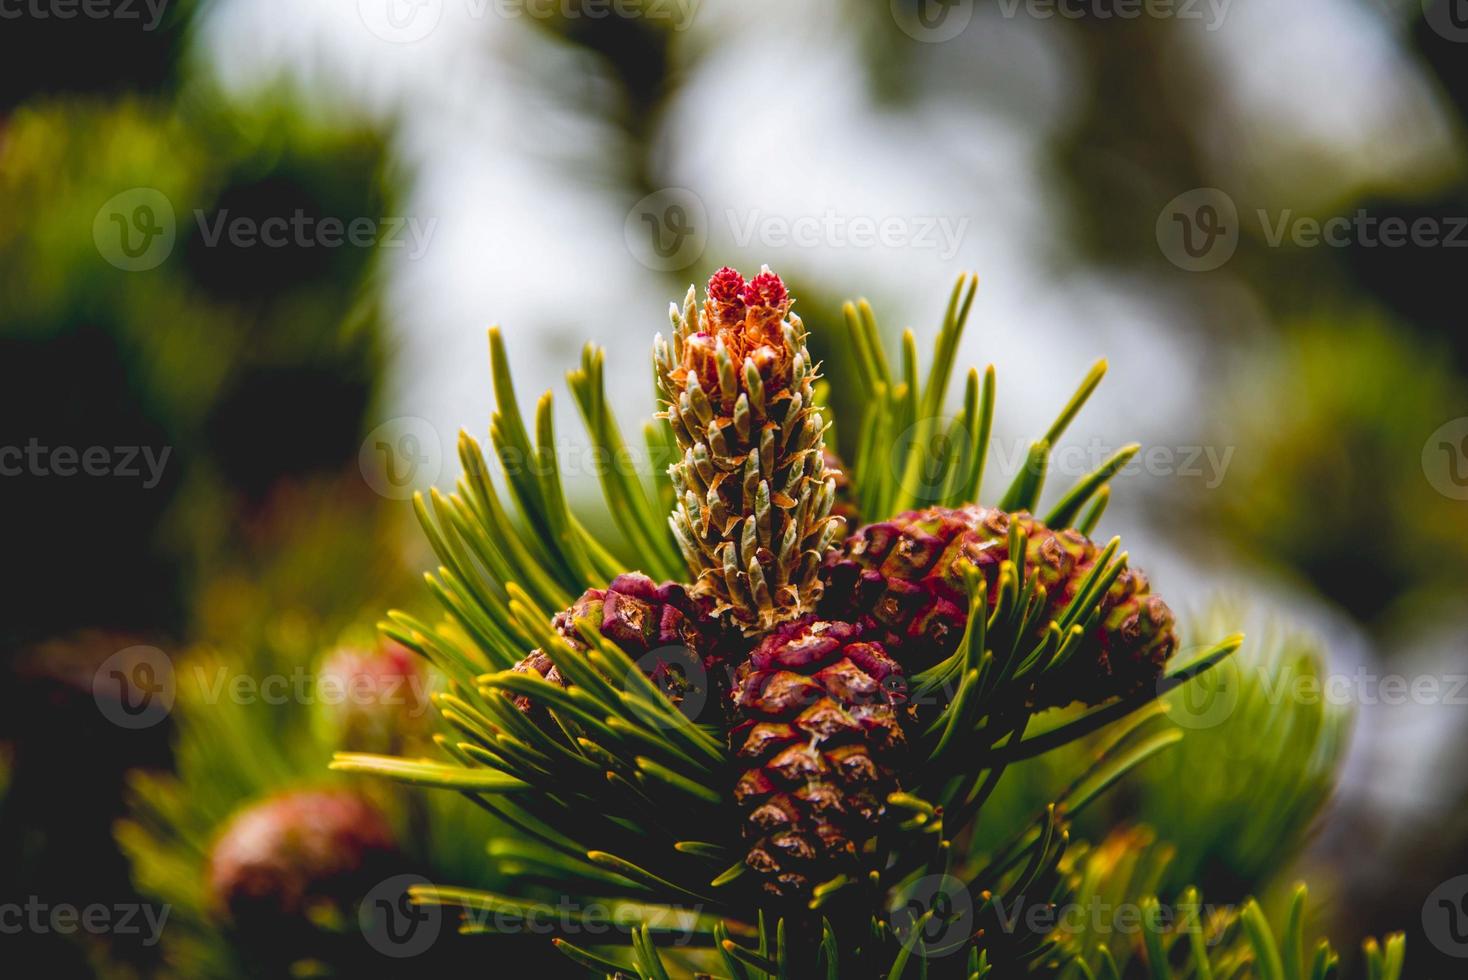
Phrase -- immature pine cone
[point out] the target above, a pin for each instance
(667, 632)
(817, 724)
(371, 700)
(754, 497)
(903, 579)
(278, 860)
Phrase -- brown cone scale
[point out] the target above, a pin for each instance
(902, 579)
(818, 734)
(642, 618)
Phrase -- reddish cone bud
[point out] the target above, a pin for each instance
(287, 862)
(903, 580)
(369, 700)
(754, 499)
(820, 731)
(642, 618)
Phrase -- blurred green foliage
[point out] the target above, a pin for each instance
(1263, 735)
(252, 368)
(250, 365)
(1118, 925)
(1330, 477)
(1259, 736)
(238, 743)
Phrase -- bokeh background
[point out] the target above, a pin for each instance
(1258, 211)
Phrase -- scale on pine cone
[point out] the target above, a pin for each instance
(819, 726)
(668, 634)
(754, 497)
(904, 580)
